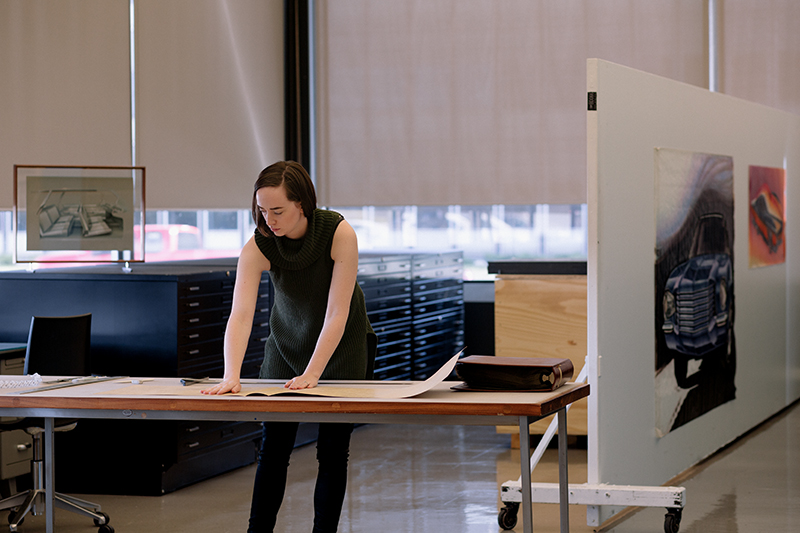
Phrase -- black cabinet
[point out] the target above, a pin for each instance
(386, 282)
(437, 293)
(415, 302)
(164, 320)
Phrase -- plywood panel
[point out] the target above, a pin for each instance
(543, 316)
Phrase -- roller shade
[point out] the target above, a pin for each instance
(761, 52)
(209, 88)
(64, 85)
(479, 101)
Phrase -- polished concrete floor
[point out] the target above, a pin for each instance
(446, 479)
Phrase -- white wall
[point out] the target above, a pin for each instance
(636, 113)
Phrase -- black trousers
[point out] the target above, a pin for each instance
(333, 449)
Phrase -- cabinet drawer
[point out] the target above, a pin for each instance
(203, 318)
(202, 302)
(195, 351)
(370, 267)
(15, 453)
(214, 332)
(211, 286)
(438, 294)
(433, 261)
(431, 284)
(199, 437)
(435, 306)
(379, 304)
(389, 348)
(391, 315)
(396, 290)
(393, 372)
(402, 357)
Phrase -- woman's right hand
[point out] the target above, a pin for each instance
(224, 386)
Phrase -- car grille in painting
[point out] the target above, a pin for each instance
(695, 309)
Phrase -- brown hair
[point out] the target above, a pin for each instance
(295, 181)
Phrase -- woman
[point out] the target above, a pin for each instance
(318, 330)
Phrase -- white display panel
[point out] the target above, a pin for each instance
(636, 114)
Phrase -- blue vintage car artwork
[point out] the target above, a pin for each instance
(697, 300)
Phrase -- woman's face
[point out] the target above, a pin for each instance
(284, 217)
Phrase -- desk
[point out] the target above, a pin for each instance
(12, 349)
(440, 405)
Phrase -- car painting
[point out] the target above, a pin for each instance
(766, 215)
(697, 299)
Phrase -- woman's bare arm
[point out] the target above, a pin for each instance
(249, 269)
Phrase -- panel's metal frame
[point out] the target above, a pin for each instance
(591, 495)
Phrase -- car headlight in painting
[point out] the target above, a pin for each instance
(722, 302)
(669, 311)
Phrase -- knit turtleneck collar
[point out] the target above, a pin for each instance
(296, 254)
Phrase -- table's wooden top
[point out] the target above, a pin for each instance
(441, 400)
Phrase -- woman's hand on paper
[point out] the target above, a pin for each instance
(306, 381)
(224, 386)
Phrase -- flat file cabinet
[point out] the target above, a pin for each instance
(161, 320)
(415, 303)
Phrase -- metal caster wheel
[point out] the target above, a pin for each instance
(102, 521)
(507, 517)
(672, 520)
(105, 529)
(12, 517)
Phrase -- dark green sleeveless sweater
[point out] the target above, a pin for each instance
(301, 272)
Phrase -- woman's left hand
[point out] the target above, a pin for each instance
(305, 381)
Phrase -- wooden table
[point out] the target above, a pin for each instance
(440, 405)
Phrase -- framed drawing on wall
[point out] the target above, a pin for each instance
(78, 214)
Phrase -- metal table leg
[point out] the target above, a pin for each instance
(563, 478)
(49, 476)
(524, 458)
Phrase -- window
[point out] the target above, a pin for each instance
(483, 232)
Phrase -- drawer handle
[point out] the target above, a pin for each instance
(193, 429)
(194, 320)
(193, 445)
(194, 288)
(194, 335)
(194, 352)
(194, 304)
(23, 447)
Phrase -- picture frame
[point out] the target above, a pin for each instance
(78, 214)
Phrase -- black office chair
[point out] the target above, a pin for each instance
(57, 346)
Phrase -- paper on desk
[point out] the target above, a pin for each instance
(377, 389)
(370, 389)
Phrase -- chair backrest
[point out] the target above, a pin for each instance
(59, 345)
